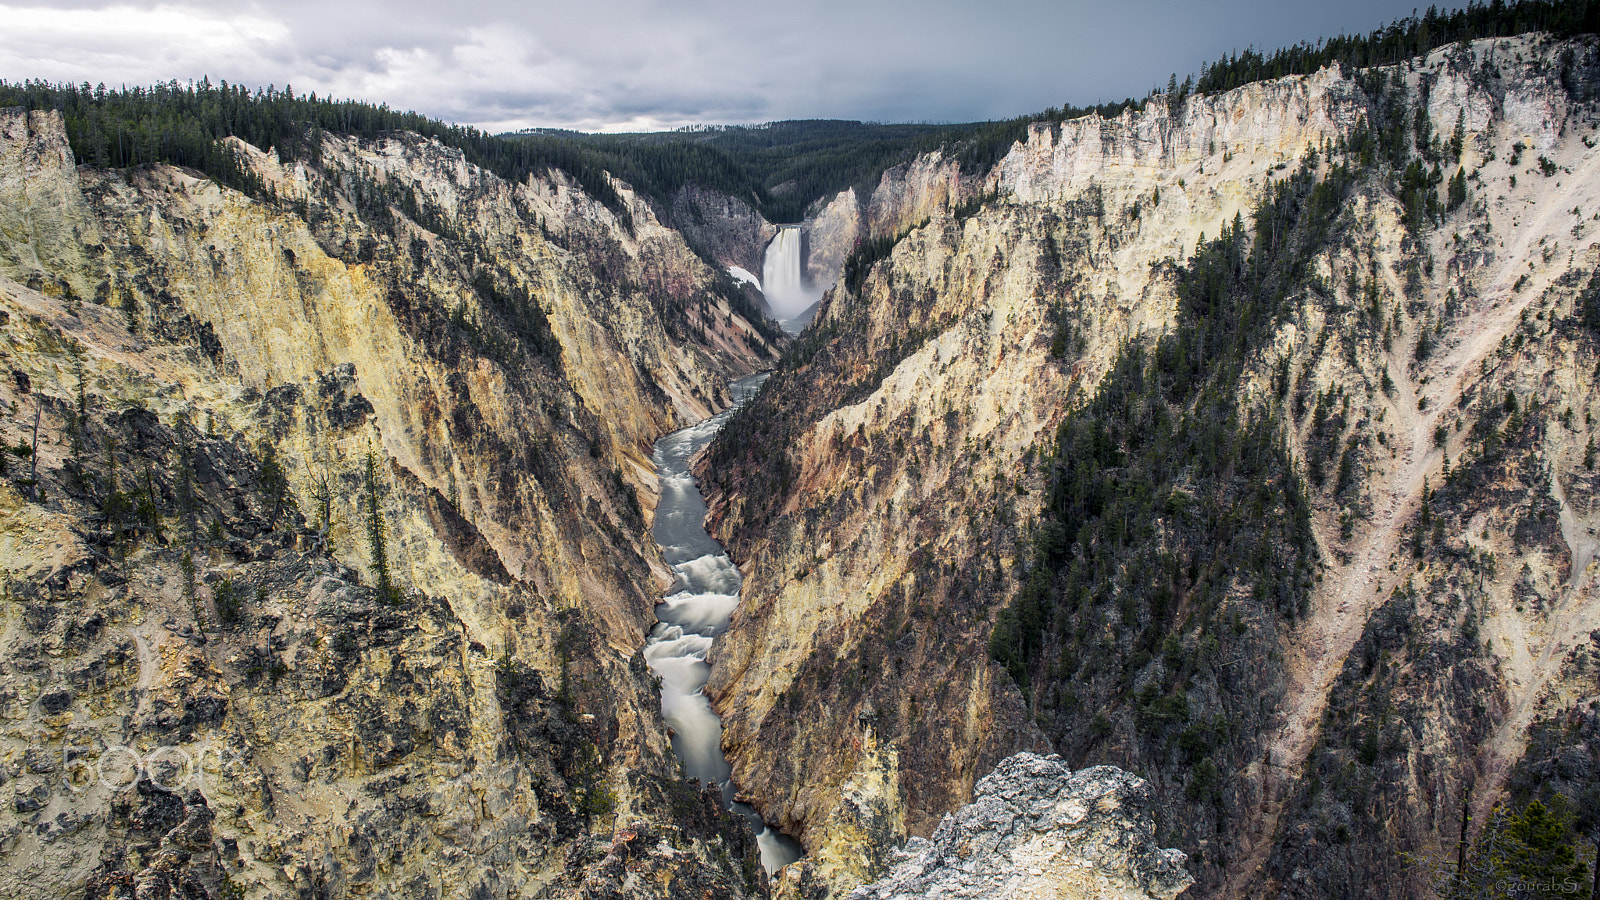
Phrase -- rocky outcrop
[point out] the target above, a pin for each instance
(830, 236)
(1035, 828)
(910, 194)
(905, 196)
(205, 688)
(885, 492)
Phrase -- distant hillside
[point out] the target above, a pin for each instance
(780, 167)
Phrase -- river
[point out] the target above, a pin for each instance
(694, 612)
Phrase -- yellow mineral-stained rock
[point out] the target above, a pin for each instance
(195, 615)
(915, 456)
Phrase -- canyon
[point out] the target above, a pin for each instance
(165, 334)
(884, 494)
(1218, 476)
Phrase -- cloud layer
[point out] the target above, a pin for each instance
(651, 64)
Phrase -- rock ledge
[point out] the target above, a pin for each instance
(1035, 828)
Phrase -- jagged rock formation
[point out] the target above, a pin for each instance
(1035, 828)
(830, 236)
(886, 490)
(201, 692)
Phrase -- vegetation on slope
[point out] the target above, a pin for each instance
(1164, 432)
(1403, 39)
(1176, 525)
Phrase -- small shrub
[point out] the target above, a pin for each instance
(229, 600)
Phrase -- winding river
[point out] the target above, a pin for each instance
(694, 612)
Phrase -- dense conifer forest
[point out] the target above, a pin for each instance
(183, 124)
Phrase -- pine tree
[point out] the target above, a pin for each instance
(147, 508)
(1588, 305)
(116, 507)
(377, 532)
(273, 483)
(1529, 853)
(188, 503)
(1541, 845)
(80, 418)
(1458, 190)
(322, 493)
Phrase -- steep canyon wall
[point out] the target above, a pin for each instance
(1430, 593)
(232, 393)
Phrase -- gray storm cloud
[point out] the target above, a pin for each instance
(638, 64)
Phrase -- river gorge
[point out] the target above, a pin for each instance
(694, 612)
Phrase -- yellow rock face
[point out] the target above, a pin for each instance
(872, 575)
(508, 357)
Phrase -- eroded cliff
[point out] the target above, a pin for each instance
(207, 687)
(1285, 663)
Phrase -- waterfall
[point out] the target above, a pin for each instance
(781, 278)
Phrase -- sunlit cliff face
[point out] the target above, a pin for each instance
(882, 539)
(164, 332)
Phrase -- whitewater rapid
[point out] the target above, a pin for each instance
(694, 612)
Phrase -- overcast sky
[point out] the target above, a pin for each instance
(656, 64)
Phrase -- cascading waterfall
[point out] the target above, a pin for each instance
(694, 612)
(781, 280)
